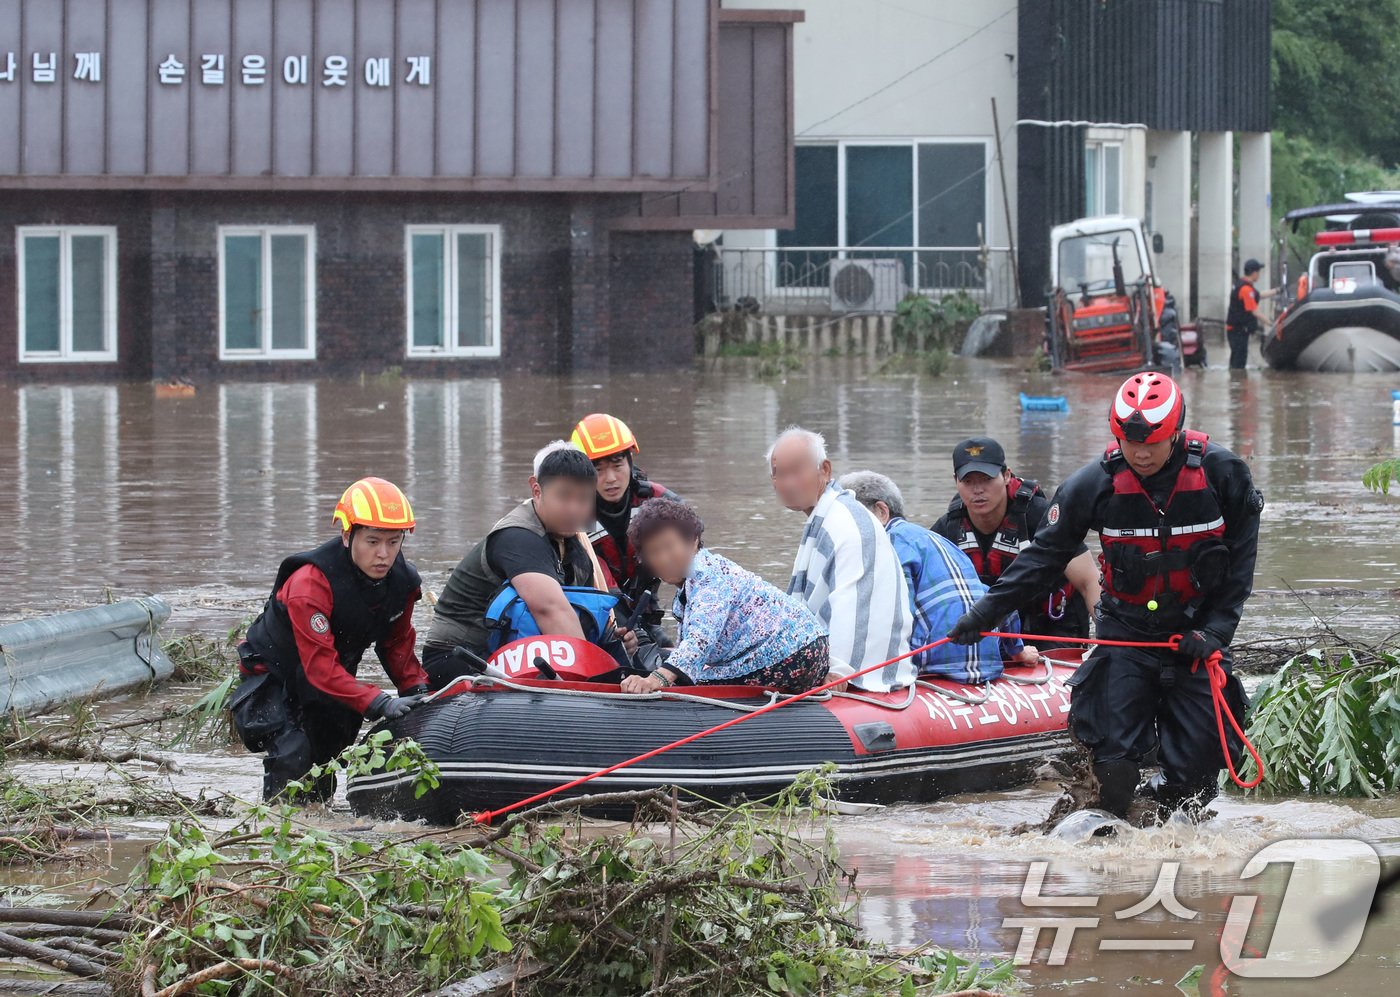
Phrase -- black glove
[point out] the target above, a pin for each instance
(968, 629)
(387, 707)
(1199, 644)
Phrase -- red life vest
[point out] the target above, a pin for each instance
(1011, 537)
(622, 564)
(1168, 555)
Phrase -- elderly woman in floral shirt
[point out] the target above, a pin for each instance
(735, 628)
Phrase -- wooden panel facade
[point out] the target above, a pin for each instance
(548, 95)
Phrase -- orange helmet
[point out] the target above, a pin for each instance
(375, 503)
(600, 435)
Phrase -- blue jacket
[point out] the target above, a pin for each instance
(942, 586)
(734, 623)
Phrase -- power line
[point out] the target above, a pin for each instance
(908, 73)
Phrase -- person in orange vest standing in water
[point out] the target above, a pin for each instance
(300, 701)
(1178, 520)
(622, 487)
(1242, 316)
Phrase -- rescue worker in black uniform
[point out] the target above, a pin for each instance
(299, 700)
(1178, 520)
(622, 487)
(993, 518)
(1242, 315)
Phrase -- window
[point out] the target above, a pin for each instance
(1103, 178)
(267, 300)
(454, 290)
(864, 199)
(67, 294)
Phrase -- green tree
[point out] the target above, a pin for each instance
(1334, 74)
(1335, 87)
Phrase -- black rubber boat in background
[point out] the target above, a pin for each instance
(1345, 315)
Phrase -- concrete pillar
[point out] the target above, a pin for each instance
(1215, 221)
(1134, 173)
(1256, 207)
(1168, 212)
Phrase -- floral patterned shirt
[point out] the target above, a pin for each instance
(732, 622)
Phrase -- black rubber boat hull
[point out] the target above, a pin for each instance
(496, 748)
(1340, 333)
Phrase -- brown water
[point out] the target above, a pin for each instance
(197, 499)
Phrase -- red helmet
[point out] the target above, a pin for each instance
(1147, 409)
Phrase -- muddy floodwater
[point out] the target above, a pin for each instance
(115, 490)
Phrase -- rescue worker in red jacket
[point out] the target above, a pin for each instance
(299, 700)
(993, 518)
(1178, 521)
(622, 486)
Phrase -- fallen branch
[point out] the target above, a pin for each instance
(106, 936)
(72, 918)
(57, 958)
(56, 988)
(492, 980)
(83, 948)
(227, 968)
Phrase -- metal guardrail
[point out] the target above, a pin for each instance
(798, 279)
(105, 650)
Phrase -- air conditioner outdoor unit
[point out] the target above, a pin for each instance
(867, 285)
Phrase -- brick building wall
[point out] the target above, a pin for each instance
(573, 293)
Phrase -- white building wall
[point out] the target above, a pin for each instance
(849, 59)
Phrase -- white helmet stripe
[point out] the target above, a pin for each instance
(1160, 413)
(1121, 408)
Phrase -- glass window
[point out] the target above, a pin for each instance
(952, 213)
(817, 221)
(1103, 178)
(266, 293)
(864, 200)
(454, 290)
(67, 294)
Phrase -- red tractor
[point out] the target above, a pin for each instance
(1107, 312)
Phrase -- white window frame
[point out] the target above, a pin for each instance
(65, 353)
(266, 352)
(841, 236)
(449, 235)
(1098, 208)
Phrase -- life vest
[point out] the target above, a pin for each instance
(1011, 537)
(621, 560)
(460, 614)
(1171, 555)
(1237, 316)
(509, 619)
(362, 612)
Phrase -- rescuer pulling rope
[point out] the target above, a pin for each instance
(1178, 521)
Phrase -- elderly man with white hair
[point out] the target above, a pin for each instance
(942, 586)
(845, 570)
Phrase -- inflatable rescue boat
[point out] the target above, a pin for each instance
(548, 711)
(1346, 312)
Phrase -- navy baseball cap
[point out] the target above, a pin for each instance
(978, 455)
(1252, 266)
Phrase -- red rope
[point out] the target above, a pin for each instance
(486, 816)
(1218, 678)
(1214, 672)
